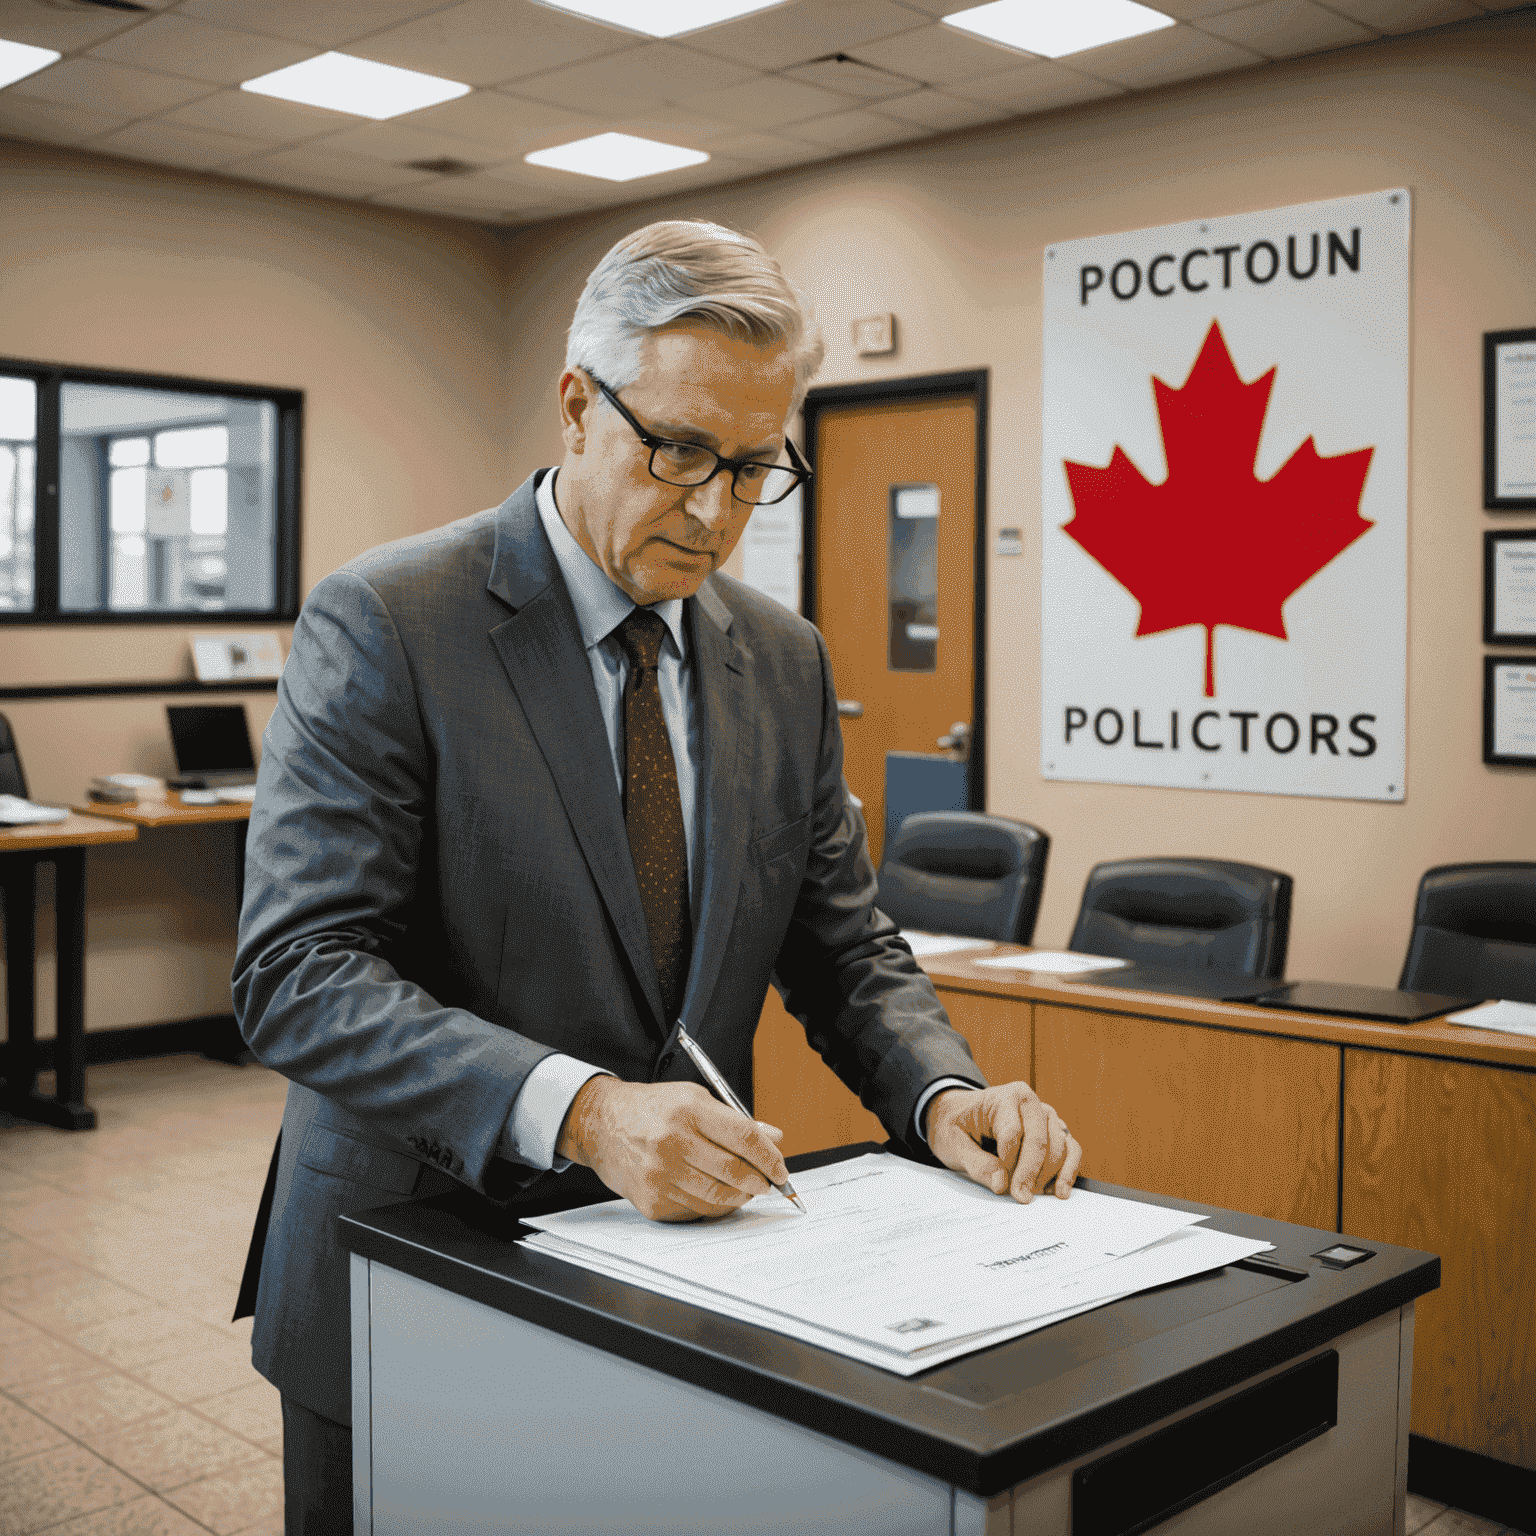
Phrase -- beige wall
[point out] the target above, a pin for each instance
(949, 235)
(393, 326)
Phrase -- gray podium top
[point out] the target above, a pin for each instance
(984, 1422)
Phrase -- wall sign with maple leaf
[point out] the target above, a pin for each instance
(1213, 544)
(1277, 527)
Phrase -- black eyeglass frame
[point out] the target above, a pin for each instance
(797, 467)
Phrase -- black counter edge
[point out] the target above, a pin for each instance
(1138, 1409)
(978, 1472)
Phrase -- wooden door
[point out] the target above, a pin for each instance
(887, 573)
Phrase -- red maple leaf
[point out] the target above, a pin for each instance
(1213, 544)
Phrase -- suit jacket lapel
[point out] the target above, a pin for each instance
(541, 648)
(727, 701)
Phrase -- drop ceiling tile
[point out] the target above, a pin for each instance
(1281, 28)
(398, 143)
(803, 30)
(326, 23)
(172, 144)
(940, 55)
(1405, 15)
(108, 87)
(491, 42)
(499, 121)
(941, 7)
(672, 125)
(180, 46)
(49, 26)
(464, 197)
(858, 129)
(23, 118)
(1040, 87)
(623, 83)
(317, 169)
(260, 117)
(763, 150)
(941, 113)
(1197, 10)
(767, 102)
(852, 79)
(1159, 58)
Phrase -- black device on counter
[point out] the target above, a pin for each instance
(212, 746)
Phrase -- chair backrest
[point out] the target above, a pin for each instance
(1474, 932)
(965, 872)
(1204, 914)
(12, 780)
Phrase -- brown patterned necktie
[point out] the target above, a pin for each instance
(653, 809)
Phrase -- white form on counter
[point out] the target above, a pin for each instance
(897, 1264)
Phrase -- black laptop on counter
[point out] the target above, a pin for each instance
(212, 745)
(1342, 999)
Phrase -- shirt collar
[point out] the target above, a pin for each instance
(601, 606)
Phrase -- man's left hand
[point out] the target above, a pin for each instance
(1033, 1144)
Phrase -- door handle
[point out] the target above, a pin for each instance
(850, 708)
(957, 741)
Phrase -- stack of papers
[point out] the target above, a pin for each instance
(922, 943)
(16, 812)
(1064, 962)
(1513, 1018)
(897, 1264)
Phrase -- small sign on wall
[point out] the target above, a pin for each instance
(1224, 497)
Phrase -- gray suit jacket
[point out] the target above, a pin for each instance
(439, 893)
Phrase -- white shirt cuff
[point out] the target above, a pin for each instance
(540, 1108)
(928, 1093)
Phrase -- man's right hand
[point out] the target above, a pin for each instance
(673, 1150)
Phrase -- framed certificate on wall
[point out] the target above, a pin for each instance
(1509, 587)
(1509, 421)
(1509, 710)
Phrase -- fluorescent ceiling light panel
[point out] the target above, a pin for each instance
(661, 18)
(1053, 28)
(18, 60)
(347, 84)
(617, 157)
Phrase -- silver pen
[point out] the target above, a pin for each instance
(712, 1076)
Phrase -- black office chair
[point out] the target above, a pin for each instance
(12, 780)
(1474, 933)
(1194, 914)
(965, 872)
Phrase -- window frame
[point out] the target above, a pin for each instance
(49, 379)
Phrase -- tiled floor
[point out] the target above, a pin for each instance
(128, 1406)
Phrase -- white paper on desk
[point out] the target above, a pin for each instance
(1064, 962)
(16, 812)
(941, 943)
(1514, 1018)
(893, 1254)
(808, 1333)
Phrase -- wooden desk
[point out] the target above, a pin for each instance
(170, 812)
(1419, 1135)
(22, 849)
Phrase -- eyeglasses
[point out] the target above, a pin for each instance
(753, 483)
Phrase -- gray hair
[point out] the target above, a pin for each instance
(684, 269)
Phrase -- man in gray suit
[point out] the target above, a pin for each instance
(543, 783)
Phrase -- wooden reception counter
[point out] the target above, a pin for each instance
(1420, 1135)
